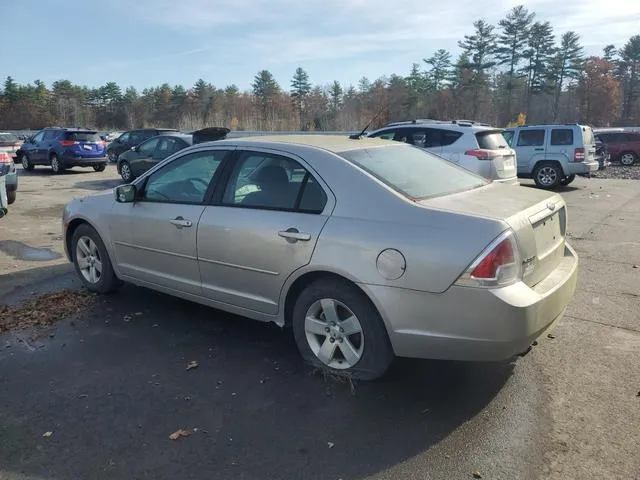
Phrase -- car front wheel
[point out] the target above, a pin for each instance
(337, 329)
(91, 261)
(126, 173)
(99, 168)
(26, 163)
(628, 158)
(547, 175)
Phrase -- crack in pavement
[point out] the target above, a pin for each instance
(604, 324)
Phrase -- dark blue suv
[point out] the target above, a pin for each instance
(63, 148)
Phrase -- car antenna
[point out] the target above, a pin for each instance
(358, 136)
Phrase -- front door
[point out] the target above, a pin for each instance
(263, 228)
(143, 155)
(34, 146)
(155, 237)
(530, 144)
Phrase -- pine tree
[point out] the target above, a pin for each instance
(300, 89)
(537, 54)
(566, 65)
(480, 49)
(511, 44)
(630, 65)
(439, 72)
(265, 89)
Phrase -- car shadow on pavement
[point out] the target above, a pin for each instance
(112, 387)
(104, 184)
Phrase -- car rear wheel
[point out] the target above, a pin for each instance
(547, 175)
(337, 329)
(11, 196)
(113, 157)
(628, 158)
(99, 168)
(92, 262)
(567, 180)
(26, 163)
(56, 165)
(126, 173)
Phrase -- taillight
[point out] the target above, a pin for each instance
(68, 143)
(498, 265)
(578, 154)
(5, 158)
(481, 154)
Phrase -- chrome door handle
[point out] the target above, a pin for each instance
(294, 234)
(180, 222)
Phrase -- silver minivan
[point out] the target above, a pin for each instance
(553, 154)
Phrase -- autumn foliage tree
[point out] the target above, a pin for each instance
(599, 93)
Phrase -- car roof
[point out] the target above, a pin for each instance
(457, 127)
(549, 125)
(331, 143)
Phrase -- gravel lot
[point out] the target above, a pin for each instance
(97, 394)
(619, 172)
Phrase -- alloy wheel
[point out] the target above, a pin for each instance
(88, 259)
(547, 176)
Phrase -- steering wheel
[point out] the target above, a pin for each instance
(196, 179)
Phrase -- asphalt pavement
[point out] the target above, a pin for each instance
(109, 386)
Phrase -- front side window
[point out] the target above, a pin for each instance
(562, 136)
(147, 148)
(262, 180)
(124, 138)
(413, 172)
(184, 180)
(50, 135)
(531, 138)
(38, 137)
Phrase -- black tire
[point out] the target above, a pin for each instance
(567, 180)
(547, 175)
(627, 158)
(11, 196)
(26, 163)
(107, 281)
(125, 172)
(56, 165)
(113, 157)
(377, 353)
(100, 168)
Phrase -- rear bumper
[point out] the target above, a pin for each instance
(581, 168)
(73, 161)
(475, 324)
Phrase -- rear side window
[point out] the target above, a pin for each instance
(564, 136)
(449, 137)
(8, 137)
(82, 136)
(492, 140)
(531, 138)
(413, 172)
(632, 137)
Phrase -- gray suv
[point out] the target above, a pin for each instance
(553, 154)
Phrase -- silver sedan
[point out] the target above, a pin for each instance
(367, 248)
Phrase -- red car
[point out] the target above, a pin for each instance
(623, 146)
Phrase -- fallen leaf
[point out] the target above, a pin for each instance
(535, 342)
(636, 266)
(179, 433)
(551, 336)
(138, 313)
(331, 445)
(426, 410)
(476, 474)
(127, 318)
(47, 434)
(638, 394)
(192, 364)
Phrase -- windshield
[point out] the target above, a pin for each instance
(8, 138)
(82, 136)
(413, 172)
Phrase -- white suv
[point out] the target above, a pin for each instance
(478, 147)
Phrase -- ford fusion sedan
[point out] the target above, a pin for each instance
(367, 248)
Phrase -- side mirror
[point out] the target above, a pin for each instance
(125, 193)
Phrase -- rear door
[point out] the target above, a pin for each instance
(263, 227)
(530, 148)
(561, 144)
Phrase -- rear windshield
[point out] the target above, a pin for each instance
(82, 136)
(587, 135)
(491, 140)
(413, 172)
(8, 137)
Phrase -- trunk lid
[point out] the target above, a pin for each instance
(537, 217)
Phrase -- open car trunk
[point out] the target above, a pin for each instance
(209, 134)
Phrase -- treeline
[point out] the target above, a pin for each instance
(519, 70)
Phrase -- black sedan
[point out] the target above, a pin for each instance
(139, 159)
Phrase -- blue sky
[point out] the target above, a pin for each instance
(149, 42)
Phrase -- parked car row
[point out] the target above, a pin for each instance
(368, 249)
